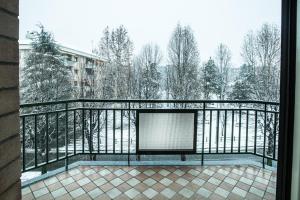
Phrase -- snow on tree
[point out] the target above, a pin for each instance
(183, 80)
(261, 50)
(44, 78)
(223, 62)
(116, 48)
(146, 74)
(242, 88)
(210, 79)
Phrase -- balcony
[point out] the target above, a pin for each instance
(94, 143)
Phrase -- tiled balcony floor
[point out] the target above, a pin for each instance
(152, 182)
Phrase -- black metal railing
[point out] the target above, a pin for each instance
(56, 131)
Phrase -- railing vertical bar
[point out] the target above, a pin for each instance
(232, 130)
(265, 132)
(57, 149)
(240, 125)
(203, 134)
(67, 138)
(121, 131)
(91, 132)
(128, 158)
(35, 140)
(114, 130)
(47, 138)
(225, 131)
(217, 132)
(247, 127)
(105, 131)
(274, 136)
(23, 143)
(98, 130)
(83, 126)
(255, 132)
(210, 129)
(74, 134)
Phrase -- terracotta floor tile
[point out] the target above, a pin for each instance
(55, 186)
(177, 182)
(124, 187)
(89, 187)
(72, 186)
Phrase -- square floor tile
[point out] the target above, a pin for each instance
(117, 181)
(40, 192)
(100, 181)
(134, 172)
(186, 193)
(179, 172)
(149, 181)
(223, 193)
(182, 181)
(257, 192)
(150, 193)
(214, 181)
(239, 192)
(95, 193)
(164, 172)
(83, 181)
(246, 181)
(194, 172)
(119, 172)
(133, 182)
(198, 181)
(67, 181)
(167, 192)
(76, 193)
(59, 192)
(166, 181)
(104, 172)
(113, 193)
(132, 193)
(149, 172)
(204, 192)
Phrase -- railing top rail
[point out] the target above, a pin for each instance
(143, 101)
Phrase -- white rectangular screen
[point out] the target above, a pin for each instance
(166, 131)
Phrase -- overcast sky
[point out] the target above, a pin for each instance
(79, 23)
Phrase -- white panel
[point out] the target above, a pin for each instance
(166, 131)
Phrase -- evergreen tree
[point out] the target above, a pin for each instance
(210, 79)
(44, 76)
(243, 88)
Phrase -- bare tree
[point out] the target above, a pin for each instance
(116, 48)
(223, 62)
(262, 52)
(183, 55)
(147, 63)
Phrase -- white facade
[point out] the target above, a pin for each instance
(81, 64)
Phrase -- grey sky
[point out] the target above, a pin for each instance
(79, 23)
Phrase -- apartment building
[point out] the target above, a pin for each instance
(81, 64)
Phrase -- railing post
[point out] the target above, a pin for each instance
(23, 143)
(265, 132)
(66, 140)
(128, 134)
(203, 132)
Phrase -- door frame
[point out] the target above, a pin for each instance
(287, 98)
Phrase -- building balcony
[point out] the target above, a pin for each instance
(87, 149)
